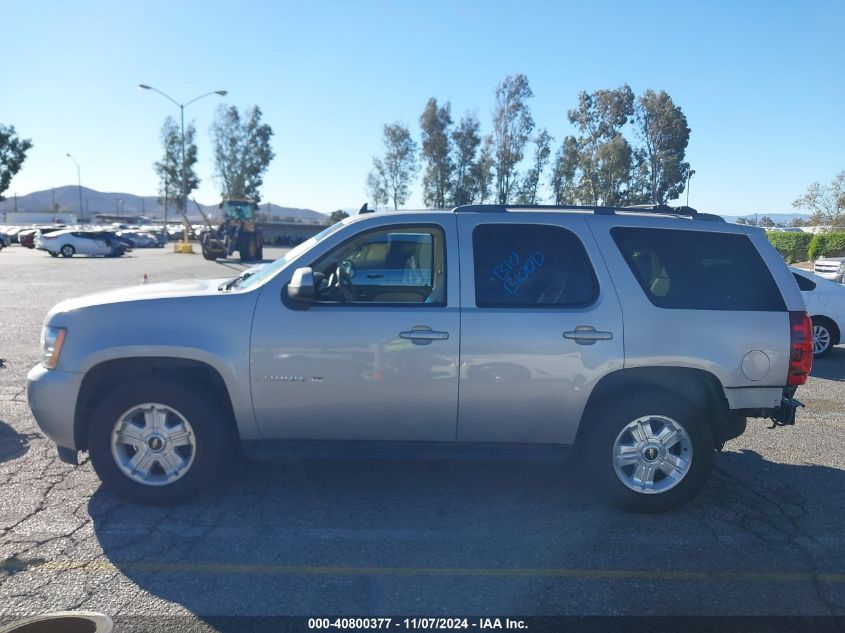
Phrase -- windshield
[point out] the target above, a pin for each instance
(239, 210)
(268, 271)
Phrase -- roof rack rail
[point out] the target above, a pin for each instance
(503, 208)
(598, 210)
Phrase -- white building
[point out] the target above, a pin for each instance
(28, 219)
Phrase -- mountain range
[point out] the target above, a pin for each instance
(781, 219)
(66, 199)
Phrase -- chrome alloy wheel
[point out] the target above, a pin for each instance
(652, 454)
(821, 339)
(153, 444)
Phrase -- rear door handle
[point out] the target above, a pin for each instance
(375, 276)
(423, 335)
(587, 335)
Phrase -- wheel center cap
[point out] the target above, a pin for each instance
(155, 443)
(650, 453)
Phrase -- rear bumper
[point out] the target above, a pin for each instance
(51, 396)
(782, 414)
(754, 397)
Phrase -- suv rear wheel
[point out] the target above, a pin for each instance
(651, 451)
(157, 443)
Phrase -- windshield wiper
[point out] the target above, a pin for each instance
(234, 282)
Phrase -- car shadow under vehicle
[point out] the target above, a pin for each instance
(433, 537)
(832, 366)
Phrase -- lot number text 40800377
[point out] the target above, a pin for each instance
(355, 624)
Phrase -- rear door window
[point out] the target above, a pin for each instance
(698, 270)
(531, 265)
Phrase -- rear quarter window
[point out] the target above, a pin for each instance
(698, 270)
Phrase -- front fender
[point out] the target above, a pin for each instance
(233, 371)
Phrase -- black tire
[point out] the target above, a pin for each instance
(248, 249)
(613, 418)
(208, 254)
(52, 254)
(67, 250)
(213, 431)
(823, 331)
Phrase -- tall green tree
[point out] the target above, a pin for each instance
(564, 182)
(465, 142)
(169, 168)
(482, 170)
(605, 156)
(798, 222)
(435, 124)
(13, 151)
(825, 202)
(528, 193)
(512, 125)
(242, 151)
(391, 177)
(663, 131)
(337, 216)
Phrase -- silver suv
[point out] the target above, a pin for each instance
(643, 338)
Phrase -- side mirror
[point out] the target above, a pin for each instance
(301, 286)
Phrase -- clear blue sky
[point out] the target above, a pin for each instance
(761, 83)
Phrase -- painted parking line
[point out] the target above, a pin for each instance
(14, 565)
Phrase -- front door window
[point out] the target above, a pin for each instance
(402, 265)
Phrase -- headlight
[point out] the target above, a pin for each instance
(52, 339)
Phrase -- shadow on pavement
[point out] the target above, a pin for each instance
(832, 366)
(12, 443)
(353, 537)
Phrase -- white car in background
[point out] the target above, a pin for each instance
(140, 239)
(72, 242)
(825, 301)
(832, 268)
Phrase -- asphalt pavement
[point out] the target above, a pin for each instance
(765, 537)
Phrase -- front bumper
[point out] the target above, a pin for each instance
(51, 396)
(832, 275)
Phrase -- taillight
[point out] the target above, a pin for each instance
(800, 348)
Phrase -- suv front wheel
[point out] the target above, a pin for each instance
(156, 442)
(651, 451)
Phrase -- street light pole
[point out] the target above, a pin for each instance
(183, 175)
(79, 186)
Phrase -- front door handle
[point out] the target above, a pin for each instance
(423, 335)
(587, 335)
(375, 276)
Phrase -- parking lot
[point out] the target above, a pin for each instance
(765, 537)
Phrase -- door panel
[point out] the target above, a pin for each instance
(527, 370)
(350, 371)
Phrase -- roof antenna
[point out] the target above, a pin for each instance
(364, 209)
